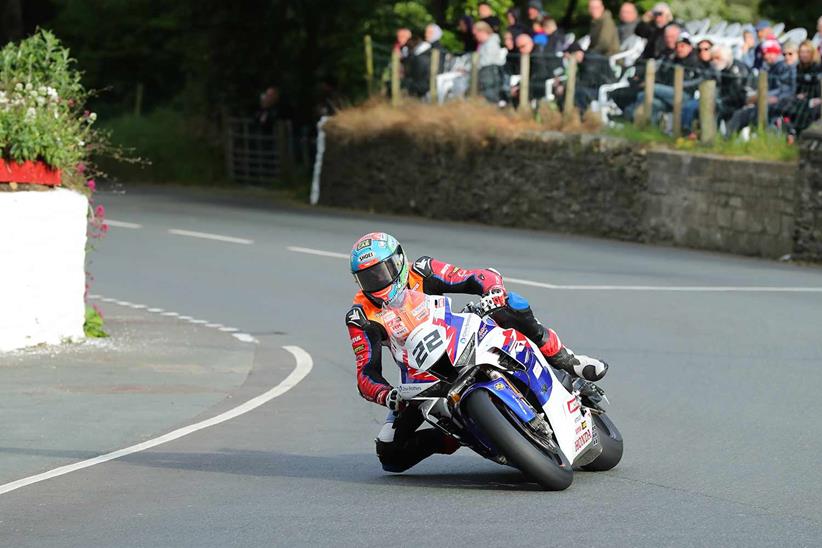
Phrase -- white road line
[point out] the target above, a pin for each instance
(209, 236)
(672, 288)
(318, 252)
(302, 369)
(122, 224)
(244, 337)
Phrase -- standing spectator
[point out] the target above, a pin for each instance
(515, 27)
(486, 14)
(556, 38)
(748, 51)
(270, 109)
(781, 87)
(764, 31)
(628, 20)
(490, 61)
(805, 108)
(535, 11)
(465, 33)
(604, 35)
(652, 28)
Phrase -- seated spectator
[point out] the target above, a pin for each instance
(805, 107)
(542, 68)
(704, 54)
(781, 87)
(628, 20)
(748, 50)
(603, 33)
(490, 62)
(556, 38)
(538, 34)
(465, 34)
(593, 71)
(733, 81)
(626, 97)
(652, 28)
(790, 52)
(508, 41)
(515, 27)
(764, 31)
(486, 14)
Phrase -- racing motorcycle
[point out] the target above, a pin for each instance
(492, 390)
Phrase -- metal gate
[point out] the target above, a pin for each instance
(254, 155)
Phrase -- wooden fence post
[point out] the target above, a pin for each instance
(283, 151)
(762, 101)
(432, 76)
(569, 108)
(707, 111)
(679, 80)
(650, 81)
(395, 78)
(525, 82)
(369, 64)
(474, 89)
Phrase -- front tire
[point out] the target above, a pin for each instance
(516, 447)
(611, 441)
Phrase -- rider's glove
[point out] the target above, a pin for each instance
(493, 300)
(394, 401)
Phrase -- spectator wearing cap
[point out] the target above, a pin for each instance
(652, 28)
(628, 20)
(781, 87)
(764, 32)
(603, 33)
(593, 71)
(491, 59)
(487, 15)
(535, 11)
(748, 48)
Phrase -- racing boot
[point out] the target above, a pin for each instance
(590, 369)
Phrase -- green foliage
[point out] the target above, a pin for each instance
(173, 147)
(41, 101)
(93, 326)
(794, 13)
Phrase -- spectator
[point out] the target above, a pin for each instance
(593, 71)
(628, 20)
(790, 51)
(748, 51)
(817, 39)
(535, 11)
(781, 87)
(704, 53)
(486, 14)
(465, 34)
(490, 61)
(538, 34)
(270, 110)
(652, 28)
(805, 107)
(401, 44)
(604, 35)
(556, 38)
(515, 27)
(542, 67)
(508, 41)
(764, 31)
(418, 63)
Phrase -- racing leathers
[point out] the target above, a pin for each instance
(399, 444)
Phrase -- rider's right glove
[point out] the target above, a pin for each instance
(393, 401)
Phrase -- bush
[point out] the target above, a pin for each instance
(41, 107)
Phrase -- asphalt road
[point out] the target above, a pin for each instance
(715, 392)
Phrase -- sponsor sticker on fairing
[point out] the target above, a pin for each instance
(573, 405)
(583, 439)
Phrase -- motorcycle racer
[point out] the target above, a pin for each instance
(381, 270)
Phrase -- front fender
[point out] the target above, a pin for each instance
(502, 390)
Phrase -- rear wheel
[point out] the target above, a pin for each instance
(551, 470)
(611, 441)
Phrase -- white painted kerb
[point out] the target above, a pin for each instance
(42, 267)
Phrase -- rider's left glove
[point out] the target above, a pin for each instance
(394, 401)
(493, 300)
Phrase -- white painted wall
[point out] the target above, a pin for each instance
(42, 267)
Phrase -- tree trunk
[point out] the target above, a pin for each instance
(568, 18)
(11, 24)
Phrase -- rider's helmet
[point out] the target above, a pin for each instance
(379, 267)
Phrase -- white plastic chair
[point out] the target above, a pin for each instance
(719, 28)
(693, 27)
(796, 36)
(778, 29)
(734, 30)
(585, 42)
(569, 39)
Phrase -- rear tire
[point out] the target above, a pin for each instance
(515, 447)
(611, 441)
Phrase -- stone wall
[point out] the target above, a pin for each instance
(587, 185)
(809, 196)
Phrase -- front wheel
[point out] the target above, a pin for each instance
(611, 441)
(553, 472)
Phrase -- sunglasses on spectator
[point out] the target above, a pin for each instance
(790, 53)
(705, 49)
